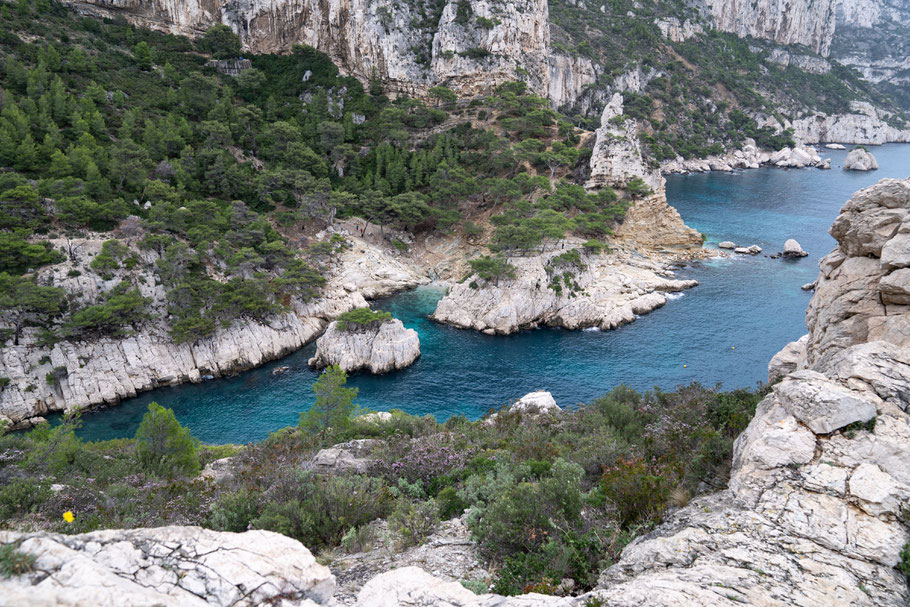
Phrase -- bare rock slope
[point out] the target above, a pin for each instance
(167, 567)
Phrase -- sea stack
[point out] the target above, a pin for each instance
(377, 346)
(860, 159)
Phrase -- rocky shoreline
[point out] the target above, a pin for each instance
(104, 371)
(813, 514)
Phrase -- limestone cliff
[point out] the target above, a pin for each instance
(805, 22)
(411, 46)
(104, 371)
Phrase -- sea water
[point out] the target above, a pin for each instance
(724, 331)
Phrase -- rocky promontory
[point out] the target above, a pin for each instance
(378, 346)
(607, 292)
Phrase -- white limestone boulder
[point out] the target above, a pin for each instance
(860, 159)
(793, 249)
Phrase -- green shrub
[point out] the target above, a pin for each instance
(450, 504)
(13, 561)
(22, 496)
(415, 521)
(234, 511)
(334, 406)
(361, 318)
(638, 492)
(320, 511)
(904, 564)
(163, 446)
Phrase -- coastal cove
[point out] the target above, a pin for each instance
(725, 330)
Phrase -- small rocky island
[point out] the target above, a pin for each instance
(369, 340)
(860, 159)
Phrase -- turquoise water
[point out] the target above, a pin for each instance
(723, 331)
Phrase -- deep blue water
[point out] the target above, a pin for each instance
(724, 330)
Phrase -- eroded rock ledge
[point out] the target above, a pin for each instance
(608, 292)
(378, 348)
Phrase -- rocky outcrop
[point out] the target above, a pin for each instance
(811, 515)
(536, 403)
(609, 291)
(863, 125)
(676, 30)
(617, 156)
(860, 159)
(377, 347)
(353, 456)
(748, 157)
(166, 567)
(104, 371)
(793, 249)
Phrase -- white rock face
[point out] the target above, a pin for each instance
(863, 125)
(793, 249)
(107, 370)
(378, 348)
(536, 403)
(726, 244)
(617, 158)
(612, 290)
(859, 159)
(677, 31)
(800, 22)
(167, 567)
(352, 456)
(366, 35)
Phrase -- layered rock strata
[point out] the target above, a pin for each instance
(377, 348)
(104, 371)
(608, 292)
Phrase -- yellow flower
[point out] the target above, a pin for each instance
(68, 516)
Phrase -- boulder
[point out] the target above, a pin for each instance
(377, 347)
(824, 165)
(835, 146)
(352, 456)
(166, 567)
(219, 470)
(536, 403)
(821, 404)
(750, 250)
(860, 159)
(726, 244)
(895, 287)
(788, 360)
(793, 249)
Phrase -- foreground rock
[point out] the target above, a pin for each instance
(835, 146)
(167, 566)
(860, 159)
(377, 347)
(812, 513)
(793, 249)
(353, 456)
(726, 244)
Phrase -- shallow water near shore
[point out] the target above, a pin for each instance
(723, 331)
